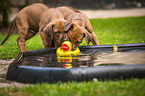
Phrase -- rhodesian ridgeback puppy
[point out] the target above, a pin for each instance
(79, 27)
(49, 22)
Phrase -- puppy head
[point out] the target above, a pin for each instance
(76, 35)
(55, 31)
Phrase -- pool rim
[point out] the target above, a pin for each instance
(15, 71)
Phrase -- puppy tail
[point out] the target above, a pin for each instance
(10, 32)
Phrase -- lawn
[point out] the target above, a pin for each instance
(133, 87)
(109, 31)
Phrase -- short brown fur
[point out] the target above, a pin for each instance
(80, 25)
(49, 22)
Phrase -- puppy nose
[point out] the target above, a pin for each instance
(65, 38)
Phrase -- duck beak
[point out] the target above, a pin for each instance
(65, 47)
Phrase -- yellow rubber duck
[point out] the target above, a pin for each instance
(65, 49)
(115, 48)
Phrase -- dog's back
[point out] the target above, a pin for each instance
(75, 10)
(66, 11)
(32, 15)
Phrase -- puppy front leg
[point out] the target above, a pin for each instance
(90, 30)
(95, 39)
(46, 40)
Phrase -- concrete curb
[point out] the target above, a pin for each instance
(114, 13)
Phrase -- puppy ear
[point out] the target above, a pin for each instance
(88, 37)
(49, 30)
(67, 26)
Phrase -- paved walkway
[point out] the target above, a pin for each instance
(115, 13)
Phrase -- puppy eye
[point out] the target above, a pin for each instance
(78, 42)
(57, 33)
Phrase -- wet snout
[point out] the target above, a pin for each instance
(65, 37)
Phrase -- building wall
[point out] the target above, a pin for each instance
(96, 4)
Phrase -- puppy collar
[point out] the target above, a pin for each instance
(80, 20)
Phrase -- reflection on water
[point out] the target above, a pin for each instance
(89, 58)
(125, 58)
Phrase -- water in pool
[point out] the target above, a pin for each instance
(89, 58)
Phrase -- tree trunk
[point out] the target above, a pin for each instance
(5, 17)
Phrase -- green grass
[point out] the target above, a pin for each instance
(10, 48)
(133, 87)
(109, 31)
(119, 30)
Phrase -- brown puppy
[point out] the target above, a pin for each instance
(39, 17)
(80, 26)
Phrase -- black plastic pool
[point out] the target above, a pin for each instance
(100, 62)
